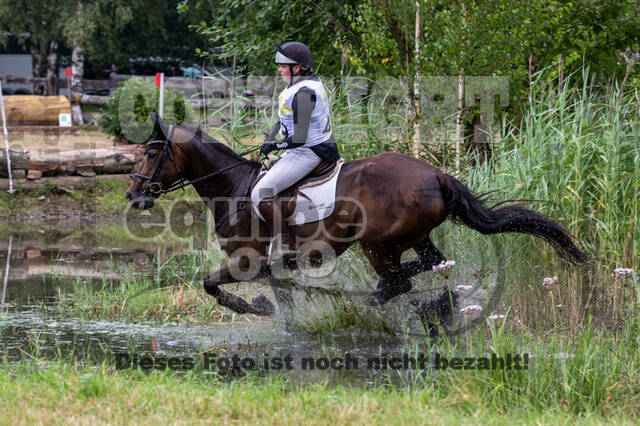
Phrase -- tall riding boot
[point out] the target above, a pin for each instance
(285, 243)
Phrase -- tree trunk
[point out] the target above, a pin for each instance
(459, 120)
(52, 68)
(415, 150)
(34, 49)
(77, 68)
(36, 58)
(119, 159)
(460, 111)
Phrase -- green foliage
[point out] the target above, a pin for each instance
(37, 25)
(591, 33)
(128, 109)
(578, 149)
(140, 32)
(247, 30)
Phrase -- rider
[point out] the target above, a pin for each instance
(305, 128)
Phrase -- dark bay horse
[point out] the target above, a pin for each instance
(389, 203)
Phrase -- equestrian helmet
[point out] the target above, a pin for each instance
(294, 53)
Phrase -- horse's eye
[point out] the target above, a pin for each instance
(152, 155)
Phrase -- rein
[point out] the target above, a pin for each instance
(157, 188)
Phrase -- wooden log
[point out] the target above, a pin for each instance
(19, 161)
(223, 105)
(80, 98)
(213, 87)
(62, 82)
(118, 159)
(34, 174)
(46, 130)
(66, 181)
(38, 110)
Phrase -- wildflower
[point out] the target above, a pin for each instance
(444, 266)
(623, 272)
(496, 316)
(471, 309)
(463, 289)
(549, 281)
(560, 307)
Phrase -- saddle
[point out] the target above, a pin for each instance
(321, 174)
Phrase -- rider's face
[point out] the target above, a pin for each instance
(285, 72)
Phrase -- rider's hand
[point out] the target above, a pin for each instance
(267, 147)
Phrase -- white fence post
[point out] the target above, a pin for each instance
(6, 141)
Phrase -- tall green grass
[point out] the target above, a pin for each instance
(594, 376)
(578, 149)
(170, 289)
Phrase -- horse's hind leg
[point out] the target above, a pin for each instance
(428, 256)
(387, 265)
(394, 275)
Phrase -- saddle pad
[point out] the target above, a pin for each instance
(314, 201)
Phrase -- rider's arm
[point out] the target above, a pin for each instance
(302, 106)
(271, 134)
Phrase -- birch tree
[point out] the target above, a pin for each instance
(36, 23)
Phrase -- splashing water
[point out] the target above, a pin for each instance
(341, 299)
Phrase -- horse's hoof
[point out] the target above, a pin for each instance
(376, 299)
(264, 305)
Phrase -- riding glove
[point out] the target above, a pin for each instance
(267, 147)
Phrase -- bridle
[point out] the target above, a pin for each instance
(157, 188)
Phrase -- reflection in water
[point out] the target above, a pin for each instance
(41, 263)
(45, 334)
(6, 271)
(46, 257)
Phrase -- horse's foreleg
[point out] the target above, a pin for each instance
(228, 274)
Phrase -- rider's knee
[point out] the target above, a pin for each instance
(260, 193)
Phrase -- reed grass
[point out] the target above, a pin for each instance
(170, 290)
(578, 150)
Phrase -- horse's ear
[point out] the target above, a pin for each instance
(198, 133)
(159, 126)
(157, 130)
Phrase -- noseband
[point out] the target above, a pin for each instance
(157, 188)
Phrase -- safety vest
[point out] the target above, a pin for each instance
(320, 123)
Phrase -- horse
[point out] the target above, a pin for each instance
(388, 203)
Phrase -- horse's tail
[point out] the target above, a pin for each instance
(463, 206)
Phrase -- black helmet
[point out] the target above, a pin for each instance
(293, 53)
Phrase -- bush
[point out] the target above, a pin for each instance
(128, 109)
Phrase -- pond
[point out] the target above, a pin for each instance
(320, 314)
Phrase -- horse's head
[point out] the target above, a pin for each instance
(161, 166)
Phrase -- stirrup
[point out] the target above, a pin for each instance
(278, 252)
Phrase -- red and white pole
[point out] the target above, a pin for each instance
(160, 85)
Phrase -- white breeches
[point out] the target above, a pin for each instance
(294, 164)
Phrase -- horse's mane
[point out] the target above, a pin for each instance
(214, 147)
